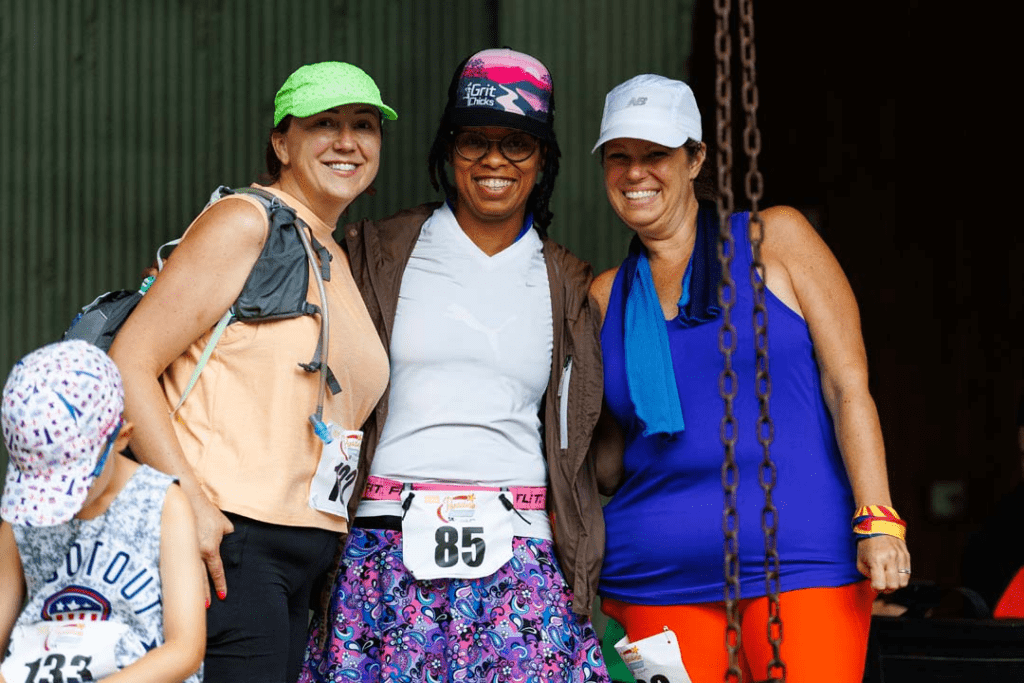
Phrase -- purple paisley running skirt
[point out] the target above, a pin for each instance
(515, 625)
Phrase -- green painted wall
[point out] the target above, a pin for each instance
(121, 116)
(590, 47)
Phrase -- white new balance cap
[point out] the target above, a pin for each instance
(650, 107)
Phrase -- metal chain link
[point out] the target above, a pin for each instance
(767, 472)
(727, 337)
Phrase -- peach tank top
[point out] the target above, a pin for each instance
(245, 428)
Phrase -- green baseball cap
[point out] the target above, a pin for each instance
(314, 88)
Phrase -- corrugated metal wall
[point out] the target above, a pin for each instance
(119, 118)
(590, 46)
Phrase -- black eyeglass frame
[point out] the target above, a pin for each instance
(499, 141)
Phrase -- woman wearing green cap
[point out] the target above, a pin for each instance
(243, 447)
(475, 550)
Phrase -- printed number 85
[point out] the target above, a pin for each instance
(446, 554)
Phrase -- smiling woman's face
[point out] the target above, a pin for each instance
(330, 158)
(493, 190)
(649, 185)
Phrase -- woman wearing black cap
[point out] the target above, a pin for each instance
(454, 569)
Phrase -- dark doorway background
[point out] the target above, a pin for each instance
(941, 305)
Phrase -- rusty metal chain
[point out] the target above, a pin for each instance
(767, 473)
(727, 381)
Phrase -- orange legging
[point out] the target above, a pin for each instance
(825, 633)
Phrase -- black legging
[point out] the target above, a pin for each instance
(257, 633)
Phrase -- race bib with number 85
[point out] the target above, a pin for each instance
(455, 534)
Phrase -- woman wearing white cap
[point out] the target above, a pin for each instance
(242, 445)
(661, 320)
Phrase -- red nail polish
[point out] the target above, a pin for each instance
(222, 594)
(207, 603)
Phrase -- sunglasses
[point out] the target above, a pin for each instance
(106, 450)
(515, 147)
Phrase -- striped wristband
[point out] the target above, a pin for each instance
(878, 520)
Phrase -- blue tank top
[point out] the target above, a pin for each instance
(664, 525)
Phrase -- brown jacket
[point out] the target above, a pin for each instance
(379, 251)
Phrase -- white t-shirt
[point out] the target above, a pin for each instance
(470, 362)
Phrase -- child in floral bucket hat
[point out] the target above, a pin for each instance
(103, 549)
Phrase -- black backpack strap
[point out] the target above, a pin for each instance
(332, 382)
(325, 259)
(281, 215)
(273, 200)
(315, 365)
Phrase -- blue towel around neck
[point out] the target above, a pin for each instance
(649, 372)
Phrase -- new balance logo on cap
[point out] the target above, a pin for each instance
(637, 101)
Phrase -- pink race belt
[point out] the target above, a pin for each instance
(524, 497)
